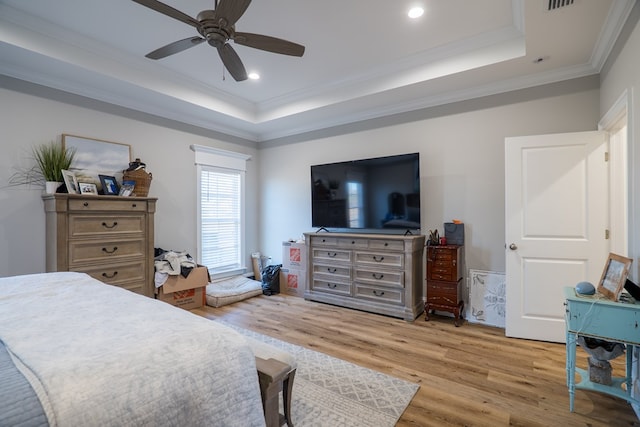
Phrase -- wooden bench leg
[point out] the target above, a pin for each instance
(272, 375)
(286, 396)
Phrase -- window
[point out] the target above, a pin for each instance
(355, 203)
(221, 210)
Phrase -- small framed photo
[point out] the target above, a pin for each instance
(88, 188)
(70, 181)
(614, 276)
(110, 186)
(126, 189)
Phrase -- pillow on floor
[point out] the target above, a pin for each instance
(232, 290)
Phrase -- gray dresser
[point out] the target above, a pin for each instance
(378, 273)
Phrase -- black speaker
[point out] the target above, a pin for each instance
(633, 289)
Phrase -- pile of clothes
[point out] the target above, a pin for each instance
(171, 263)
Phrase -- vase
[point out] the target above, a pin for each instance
(50, 187)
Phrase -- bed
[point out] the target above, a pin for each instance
(95, 354)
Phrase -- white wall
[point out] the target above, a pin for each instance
(462, 165)
(27, 120)
(624, 75)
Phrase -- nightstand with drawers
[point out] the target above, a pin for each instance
(444, 280)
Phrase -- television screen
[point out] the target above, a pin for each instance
(377, 194)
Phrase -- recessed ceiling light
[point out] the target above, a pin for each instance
(415, 12)
(254, 76)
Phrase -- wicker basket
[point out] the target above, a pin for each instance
(142, 179)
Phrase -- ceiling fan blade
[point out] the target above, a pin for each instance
(169, 11)
(232, 62)
(268, 43)
(231, 10)
(174, 47)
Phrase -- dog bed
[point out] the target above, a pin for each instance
(232, 290)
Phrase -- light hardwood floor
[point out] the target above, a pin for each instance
(469, 376)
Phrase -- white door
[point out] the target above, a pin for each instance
(556, 201)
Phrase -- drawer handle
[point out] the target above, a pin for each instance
(377, 276)
(353, 242)
(85, 204)
(110, 276)
(104, 224)
(332, 254)
(376, 259)
(115, 248)
(378, 294)
(332, 285)
(134, 205)
(332, 270)
(386, 244)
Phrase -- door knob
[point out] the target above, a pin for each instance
(513, 246)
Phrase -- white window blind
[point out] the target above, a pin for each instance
(220, 219)
(221, 210)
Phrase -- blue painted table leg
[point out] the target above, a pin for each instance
(629, 367)
(571, 367)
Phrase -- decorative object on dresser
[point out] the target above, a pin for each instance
(109, 238)
(444, 280)
(138, 175)
(372, 272)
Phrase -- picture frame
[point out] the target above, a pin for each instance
(70, 182)
(88, 188)
(614, 276)
(110, 185)
(126, 189)
(94, 157)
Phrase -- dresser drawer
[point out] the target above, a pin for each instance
(331, 255)
(442, 274)
(393, 260)
(105, 225)
(379, 293)
(382, 277)
(332, 287)
(81, 251)
(116, 274)
(353, 243)
(390, 245)
(443, 293)
(323, 241)
(442, 254)
(332, 272)
(117, 204)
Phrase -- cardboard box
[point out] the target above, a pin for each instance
(293, 281)
(294, 255)
(187, 293)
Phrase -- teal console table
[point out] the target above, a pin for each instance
(593, 316)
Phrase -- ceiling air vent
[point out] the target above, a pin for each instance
(557, 4)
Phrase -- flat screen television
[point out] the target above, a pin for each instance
(368, 195)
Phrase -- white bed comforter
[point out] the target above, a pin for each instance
(99, 355)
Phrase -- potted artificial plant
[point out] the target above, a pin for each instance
(51, 159)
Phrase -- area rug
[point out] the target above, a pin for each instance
(330, 392)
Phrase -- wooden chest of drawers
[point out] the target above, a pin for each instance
(444, 280)
(376, 273)
(108, 237)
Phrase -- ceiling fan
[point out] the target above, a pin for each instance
(217, 27)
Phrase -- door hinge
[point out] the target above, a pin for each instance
(606, 234)
(606, 156)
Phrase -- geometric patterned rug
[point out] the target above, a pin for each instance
(330, 392)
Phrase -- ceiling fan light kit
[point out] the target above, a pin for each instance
(217, 27)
